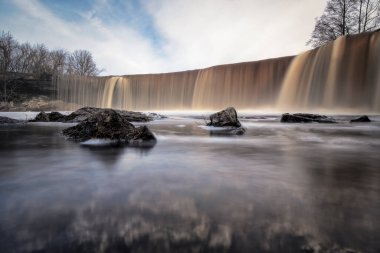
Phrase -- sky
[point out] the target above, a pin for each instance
(154, 36)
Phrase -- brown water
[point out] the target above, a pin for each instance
(278, 188)
(244, 85)
(340, 76)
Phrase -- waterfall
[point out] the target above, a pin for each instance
(341, 75)
(243, 85)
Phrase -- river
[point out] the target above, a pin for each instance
(278, 188)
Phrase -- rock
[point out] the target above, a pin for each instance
(156, 116)
(228, 120)
(8, 121)
(56, 117)
(49, 117)
(363, 118)
(86, 112)
(142, 136)
(82, 114)
(227, 117)
(305, 118)
(41, 117)
(109, 124)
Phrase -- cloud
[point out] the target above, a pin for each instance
(168, 35)
(119, 49)
(202, 33)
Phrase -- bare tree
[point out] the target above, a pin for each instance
(40, 58)
(342, 17)
(37, 59)
(367, 15)
(22, 58)
(7, 45)
(58, 61)
(80, 62)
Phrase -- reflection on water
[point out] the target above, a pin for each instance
(278, 188)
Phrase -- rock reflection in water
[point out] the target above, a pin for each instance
(278, 188)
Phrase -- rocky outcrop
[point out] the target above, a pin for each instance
(306, 118)
(109, 124)
(227, 119)
(224, 118)
(9, 121)
(86, 112)
(363, 118)
(49, 117)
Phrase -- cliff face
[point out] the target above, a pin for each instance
(27, 92)
(19, 87)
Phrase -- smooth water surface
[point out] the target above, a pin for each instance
(278, 188)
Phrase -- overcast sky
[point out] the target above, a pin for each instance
(151, 36)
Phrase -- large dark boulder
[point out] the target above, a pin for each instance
(86, 112)
(363, 118)
(227, 119)
(49, 117)
(306, 118)
(109, 124)
(224, 118)
(56, 117)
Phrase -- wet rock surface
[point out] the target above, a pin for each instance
(224, 118)
(306, 118)
(109, 124)
(363, 118)
(49, 117)
(86, 112)
(227, 119)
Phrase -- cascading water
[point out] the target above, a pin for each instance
(243, 85)
(344, 74)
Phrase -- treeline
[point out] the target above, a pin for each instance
(38, 59)
(343, 17)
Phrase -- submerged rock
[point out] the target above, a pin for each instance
(109, 124)
(86, 112)
(227, 119)
(8, 121)
(306, 118)
(363, 118)
(224, 118)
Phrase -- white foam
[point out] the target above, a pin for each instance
(98, 142)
